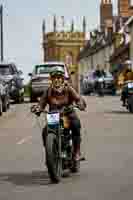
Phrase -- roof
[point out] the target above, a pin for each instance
(119, 51)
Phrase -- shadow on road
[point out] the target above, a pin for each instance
(119, 112)
(33, 178)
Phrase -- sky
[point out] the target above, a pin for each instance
(23, 26)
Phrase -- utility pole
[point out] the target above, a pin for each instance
(1, 31)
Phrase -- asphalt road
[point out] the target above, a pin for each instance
(107, 173)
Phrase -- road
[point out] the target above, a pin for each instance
(107, 173)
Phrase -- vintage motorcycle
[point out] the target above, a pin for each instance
(59, 147)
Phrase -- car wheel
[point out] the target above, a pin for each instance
(4, 105)
(8, 105)
(21, 99)
(0, 106)
(33, 98)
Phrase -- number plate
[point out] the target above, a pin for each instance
(53, 118)
(130, 85)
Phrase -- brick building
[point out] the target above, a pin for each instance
(64, 46)
(125, 8)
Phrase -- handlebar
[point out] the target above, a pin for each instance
(66, 109)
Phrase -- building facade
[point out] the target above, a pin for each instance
(64, 46)
(125, 8)
(100, 55)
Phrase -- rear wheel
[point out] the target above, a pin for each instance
(5, 104)
(53, 161)
(100, 89)
(0, 106)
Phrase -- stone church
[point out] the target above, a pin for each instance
(64, 46)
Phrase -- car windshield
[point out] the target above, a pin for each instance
(5, 70)
(44, 69)
(108, 74)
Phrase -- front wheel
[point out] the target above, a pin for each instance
(53, 160)
(5, 104)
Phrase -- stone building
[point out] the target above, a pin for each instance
(106, 14)
(64, 46)
(100, 46)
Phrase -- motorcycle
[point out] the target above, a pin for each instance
(129, 101)
(59, 147)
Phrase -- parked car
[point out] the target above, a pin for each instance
(89, 80)
(88, 83)
(109, 84)
(12, 76)
(40, 78)
(4, 96)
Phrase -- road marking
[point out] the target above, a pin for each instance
(24, 140)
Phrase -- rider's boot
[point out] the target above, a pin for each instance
(76, 158)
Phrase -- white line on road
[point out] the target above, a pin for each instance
(24, 140)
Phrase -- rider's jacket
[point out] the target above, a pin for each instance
(57, 100)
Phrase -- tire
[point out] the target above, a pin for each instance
(5, 105)
(1, 107)
(130, 104)
(53, 161)
(76, 167)
(32, 98)
(17, 100)
(20, 99)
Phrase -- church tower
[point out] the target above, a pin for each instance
(106, 13)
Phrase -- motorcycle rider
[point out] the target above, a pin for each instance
(58, 95)
(128, 77)
(98, 73)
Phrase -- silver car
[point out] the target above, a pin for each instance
(4, 96)
(40, 78)
(89, 80)
(88, 83)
